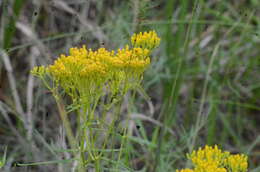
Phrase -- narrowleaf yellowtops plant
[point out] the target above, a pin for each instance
(87, 75)
(212, 159)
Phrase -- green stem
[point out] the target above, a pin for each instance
(117, 114)
(84, 137)
(125, 135)
(70, 136)
(66, 123)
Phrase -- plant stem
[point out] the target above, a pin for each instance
(66, 123)
(70, 136)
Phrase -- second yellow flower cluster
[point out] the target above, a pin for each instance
(212, 159)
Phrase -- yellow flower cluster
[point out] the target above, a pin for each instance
(147, 40)
(212, 159)
(82, 66)
(185, 170)
(237, 162)
(85, 72)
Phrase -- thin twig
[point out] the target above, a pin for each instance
(29, 94)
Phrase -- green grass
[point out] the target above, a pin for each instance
(203, 83)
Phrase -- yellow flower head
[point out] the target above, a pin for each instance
(212, 159)
(148, 40)
(82, 63)
(136, 59)
(208, 155)
(85, 72)
(237, 162)
(209, 167)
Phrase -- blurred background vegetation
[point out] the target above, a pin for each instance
(203, 84)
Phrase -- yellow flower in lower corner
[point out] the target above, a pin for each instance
(212, 159)
(237, 163)
(208, 155)
(209, 167)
